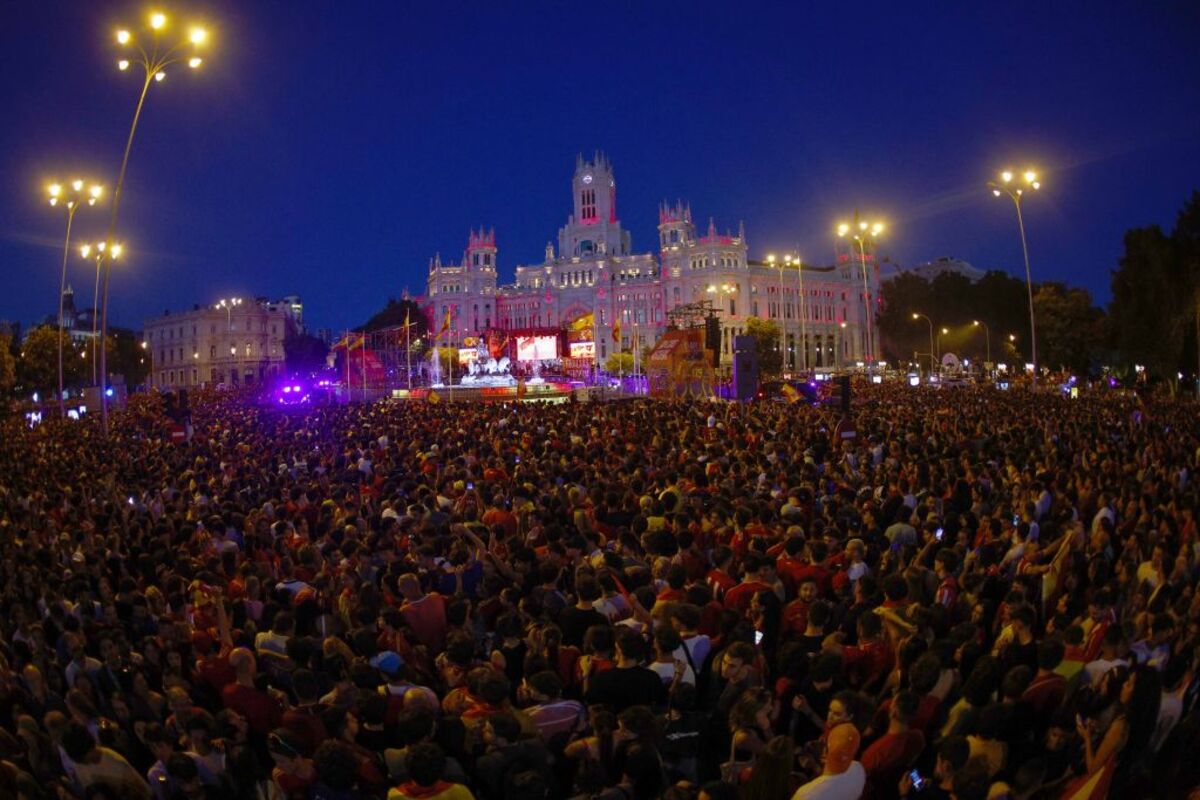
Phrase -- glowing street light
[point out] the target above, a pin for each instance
(153, 50)
(70, 197)
(228, 305)
(864, 232)
(1015, 189)
(95, 252)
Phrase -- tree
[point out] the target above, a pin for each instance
(38, 366)
(8, 364)
(766, 337)
(899, 335)
(393, 315)
(449, 358)
(126, 356)
(619, 364)
(1149, 309)
(303, 354)
(1155, 310)
(1070, 328)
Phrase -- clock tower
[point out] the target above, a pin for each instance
(593, 229)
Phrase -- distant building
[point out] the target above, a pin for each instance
(939, 266)
(596, 273)
(238, 345)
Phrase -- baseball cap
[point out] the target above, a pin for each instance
(387, 662)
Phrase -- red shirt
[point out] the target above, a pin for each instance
(947, 591)
(1045, 693)
(866, 663)
(738, 598)
(427, 618)
(790, 571)
(720, 582)
(261, 711)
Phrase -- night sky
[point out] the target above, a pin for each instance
(330, 148)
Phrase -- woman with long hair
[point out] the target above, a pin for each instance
(1113, 756)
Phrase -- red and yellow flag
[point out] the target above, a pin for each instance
(616, 332)
(445, 324)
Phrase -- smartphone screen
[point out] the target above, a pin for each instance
(918, 782)
(758, 637)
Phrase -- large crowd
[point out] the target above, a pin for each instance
(982, 594)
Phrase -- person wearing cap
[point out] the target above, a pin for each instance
(842, 777)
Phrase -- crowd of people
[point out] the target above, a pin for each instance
(981, 594)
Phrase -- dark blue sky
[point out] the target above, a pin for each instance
(330, 148)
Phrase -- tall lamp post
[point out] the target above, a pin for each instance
(70, 198)
(95, 252)
(987, 338)
(228, 305)
(863, 233)
(788, 261)
(153, 50)
(1009, 185)
(931, 345)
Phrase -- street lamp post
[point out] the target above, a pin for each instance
(228, 306)
(987, 338)
(56, 194)
(1008, 185)
(931, 345)
(160, 53)
(942, 332)
(862, 233)
(788, 261)
(95, 252)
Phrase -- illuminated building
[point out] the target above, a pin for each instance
(596, 272)
(210, 345)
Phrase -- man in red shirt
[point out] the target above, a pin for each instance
(718, 578)
(262, 711)
(1045, 693)
(944, 565)
(424, 613)
(894, 751)
(867, 663)
(760, 573)
(795, 613)
(791, 565)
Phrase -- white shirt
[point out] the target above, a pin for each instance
(847, 786)
(667, 672)
(1094, 671)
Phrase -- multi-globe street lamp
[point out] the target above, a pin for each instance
(788, 261)
(96, 252)
(151, 49)
(863, 233)
(228, 305)
(1015, 186)
(71, 197)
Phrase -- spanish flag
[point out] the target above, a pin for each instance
(616, 333)
(789, 392)
(445, 324)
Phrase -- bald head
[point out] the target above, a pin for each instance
(242, 661)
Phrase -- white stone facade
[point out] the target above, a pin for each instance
(209, 346)
(595, 271)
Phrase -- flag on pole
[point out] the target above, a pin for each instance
(445, 324)
(616, 332)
